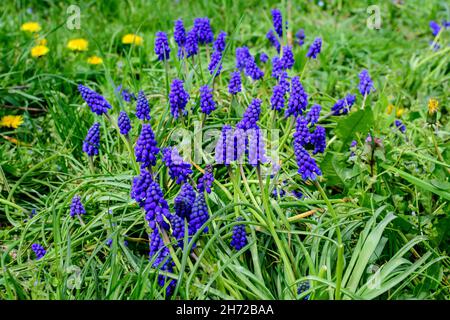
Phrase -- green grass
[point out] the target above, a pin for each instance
(379, 225)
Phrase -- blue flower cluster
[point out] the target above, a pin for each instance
(155, 207)
(123, 122)
(287, 60)
(298, 100)
(178, 98)
(235, 83)
(239, 237)
(179, 35)
(199, 214)
(220, 44)
(277, 20)
(184, 200)
(277, 100)
(76, 207)
(271, 36)
(400, 126)
(95, 101)
(178, 169)
(191, 46)
(315, 48)
(162, 48)
(205, 182)
(313, 115)
(365, 83)
(215, 65)
(242, 55)
(342, 106)
(92, 141)
(39, 250)
(203, 29)
(207, 103)
(142, 107)
(251, 115)
(146, 147)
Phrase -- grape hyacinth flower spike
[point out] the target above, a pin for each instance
(342, 106)
(277, 20)
(215, 65)
(184, 201)
(204, 32)
(142, 107)
(220, 44)
(207, 103)
(298, 100)
(435, 28)
(179, 35)
(313, 115)
(95, 101)
(277, 100)
(239, 237)
(156, 207)
(76, 207)
(178, 98)
(191, 43)
(365, 83)
(146, 147)
(315, 48)
(178, 169)
(162, 48)
(92, 141)
(205, 182)
(123, 122)
(235, 83)
(242, 55)
(39, 250)
(251, 115)
(271, 36)
(199, 214)
(287, 60)
(263, 57)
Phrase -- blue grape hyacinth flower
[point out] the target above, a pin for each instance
(365, 83)
(207, 103)
(142, 107)
(178, 169)
(39, 250)
(315, 48)
(205, 182)
(94, 100)
(124, 123)
(219, 43)
(76, 207)
(239, 237)
(235, 83)
(146, 147)
(178, 98)
(162, 48)
(92, 141)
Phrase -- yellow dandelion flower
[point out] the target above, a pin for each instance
(11, 121)
(400, 112)
(78, 44)
(389, 108)
(39, 51)
(94, 60)
(132, 39)
(433, 106)
(31, 27)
